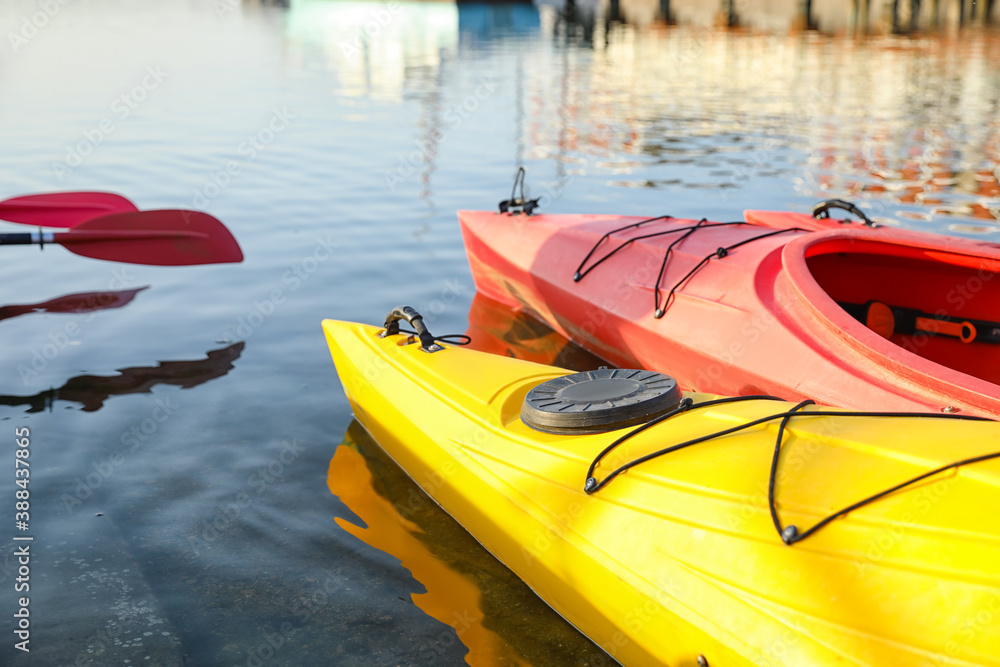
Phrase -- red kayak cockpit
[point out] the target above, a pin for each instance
(940, 303)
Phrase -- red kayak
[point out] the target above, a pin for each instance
(781, 303)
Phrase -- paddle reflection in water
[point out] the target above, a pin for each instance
(83, 302)
(494, 613)
(90, 391)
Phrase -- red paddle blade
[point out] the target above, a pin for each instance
(160, 238)
(63, 209)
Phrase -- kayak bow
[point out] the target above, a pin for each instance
(677, 561)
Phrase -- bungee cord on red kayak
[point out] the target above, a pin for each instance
(580, 273)
(527, 207)
(822, 211)
(789, 534)
(658, 312)
(666, 257)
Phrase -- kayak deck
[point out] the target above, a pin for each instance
(764, 315)
(678, 557)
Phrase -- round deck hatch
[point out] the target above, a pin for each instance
(599, 401)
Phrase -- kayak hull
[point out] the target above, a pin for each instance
(678, 559)
(765, 318)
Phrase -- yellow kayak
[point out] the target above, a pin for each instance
(685, 539)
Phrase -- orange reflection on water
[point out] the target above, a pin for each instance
(495, 328)
(494, 614)
(451, 597)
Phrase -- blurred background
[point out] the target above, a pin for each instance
(199, 492)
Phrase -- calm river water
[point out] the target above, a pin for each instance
(199, 494)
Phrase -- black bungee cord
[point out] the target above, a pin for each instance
(789, 534)
(428, 341)
(720, 253)
(592, 485)
(454, 339)
(658, 310)
(526, 206)
(580, 273)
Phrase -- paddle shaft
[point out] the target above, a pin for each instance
(96, 236)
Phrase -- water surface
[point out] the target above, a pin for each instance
(185, 442)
